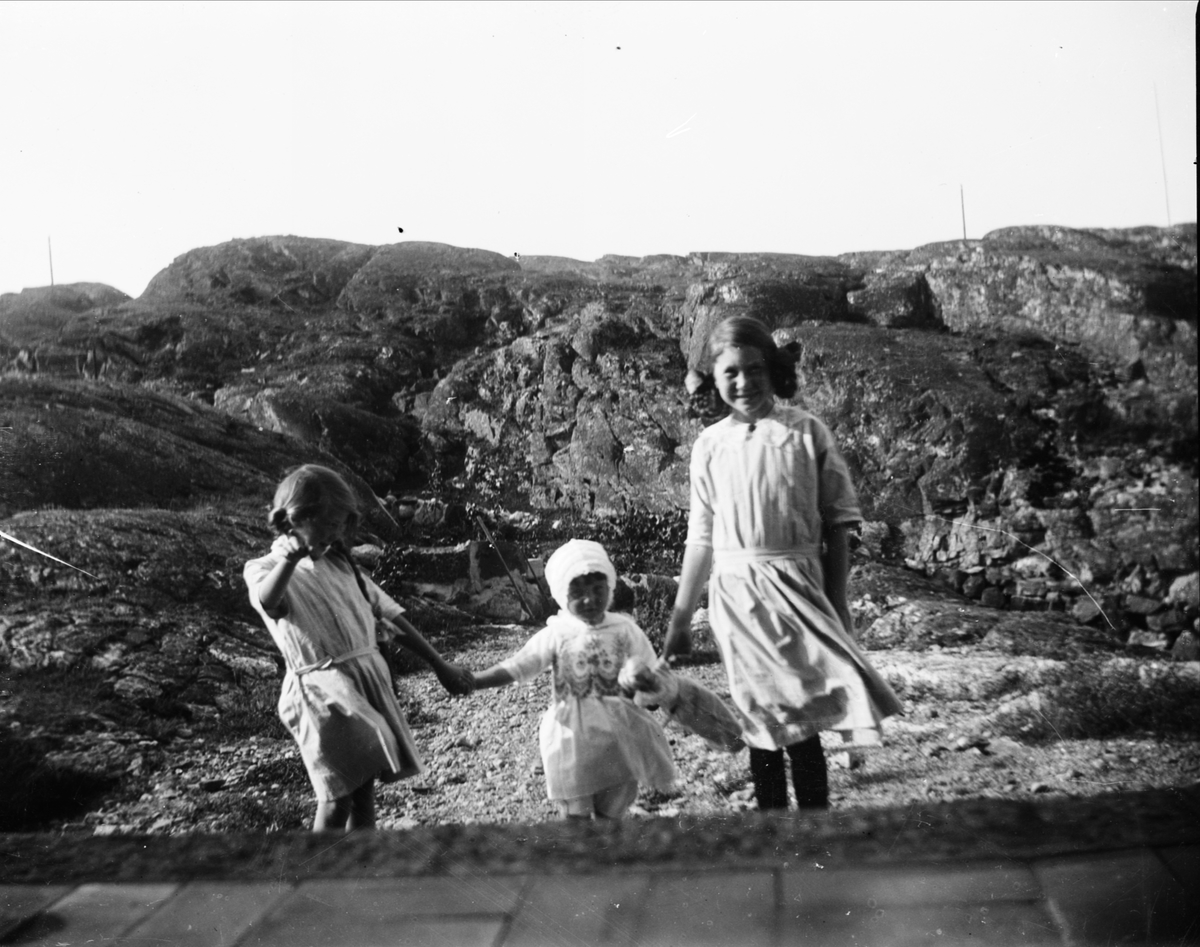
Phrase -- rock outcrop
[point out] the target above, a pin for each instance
(34, 318)
(1019, 412)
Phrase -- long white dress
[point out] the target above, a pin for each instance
(591, 737)
(759, 496)
(337, 699)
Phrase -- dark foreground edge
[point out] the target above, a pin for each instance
(967, 830)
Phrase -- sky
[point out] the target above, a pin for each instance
(131, 133)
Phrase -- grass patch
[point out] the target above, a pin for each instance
(1106, 700)
(1092, 699)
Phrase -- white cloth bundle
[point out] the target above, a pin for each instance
(689, 703)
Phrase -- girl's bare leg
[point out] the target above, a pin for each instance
(847, 759)
(362, 807)
(332, 815)
(613, 802)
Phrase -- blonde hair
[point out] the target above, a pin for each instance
(308, 490)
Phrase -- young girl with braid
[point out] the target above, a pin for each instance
(337, 698)
(771, 505)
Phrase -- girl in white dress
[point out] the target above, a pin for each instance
(771, 504)
(337, 698)
(597, 745)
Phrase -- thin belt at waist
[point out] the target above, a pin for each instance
(326, 663)
(733, 557)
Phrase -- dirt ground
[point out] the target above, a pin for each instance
(483, 765)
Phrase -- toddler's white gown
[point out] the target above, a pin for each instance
(592, 738)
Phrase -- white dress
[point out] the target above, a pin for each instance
(760, 494)
(337, 698)
(591, 737)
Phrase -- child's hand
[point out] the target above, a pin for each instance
(679, 636)
(636, 676)
(648, 687)
(457, 680)
(292, 547)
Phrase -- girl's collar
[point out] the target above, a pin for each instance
(770, 415)
(772, 429)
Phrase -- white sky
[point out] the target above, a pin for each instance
(133, 132)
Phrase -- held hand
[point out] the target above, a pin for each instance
(636, 676)
(679, 638)
(458, 681)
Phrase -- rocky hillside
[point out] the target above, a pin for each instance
(1019, 412)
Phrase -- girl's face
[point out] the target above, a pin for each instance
(744, 382)
(587, 597)
(321, 531)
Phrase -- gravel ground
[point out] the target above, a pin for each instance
(483, 764)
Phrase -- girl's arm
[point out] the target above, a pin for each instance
(273, 586)
(837, 572)
(697, 562)
(535, 656)
(495, 676)
(456, 680)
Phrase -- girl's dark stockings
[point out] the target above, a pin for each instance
(810, 777)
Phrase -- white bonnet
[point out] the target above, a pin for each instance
(572, 559)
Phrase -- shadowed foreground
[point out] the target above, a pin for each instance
(1110, 869)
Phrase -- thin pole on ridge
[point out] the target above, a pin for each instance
(50, 251)
(962, 203)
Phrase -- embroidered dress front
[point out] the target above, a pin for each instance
(591, 737)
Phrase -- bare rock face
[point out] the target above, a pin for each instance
(286, 271)
(1128, 294)
(86, 446)
(32, 317)
(1019, 412)
(381, 449)
(591, 416)
(450, 296)
(901, 300)
(777, 288)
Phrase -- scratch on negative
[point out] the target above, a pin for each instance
(13, 539)
(1004, 532)
(324, 850)
(1049, 722)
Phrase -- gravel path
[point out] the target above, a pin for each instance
(483, 764)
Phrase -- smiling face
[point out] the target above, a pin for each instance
(321, 530)
(743, 381)
(587, 597)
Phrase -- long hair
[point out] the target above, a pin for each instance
(307, 490)
(747, 331)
